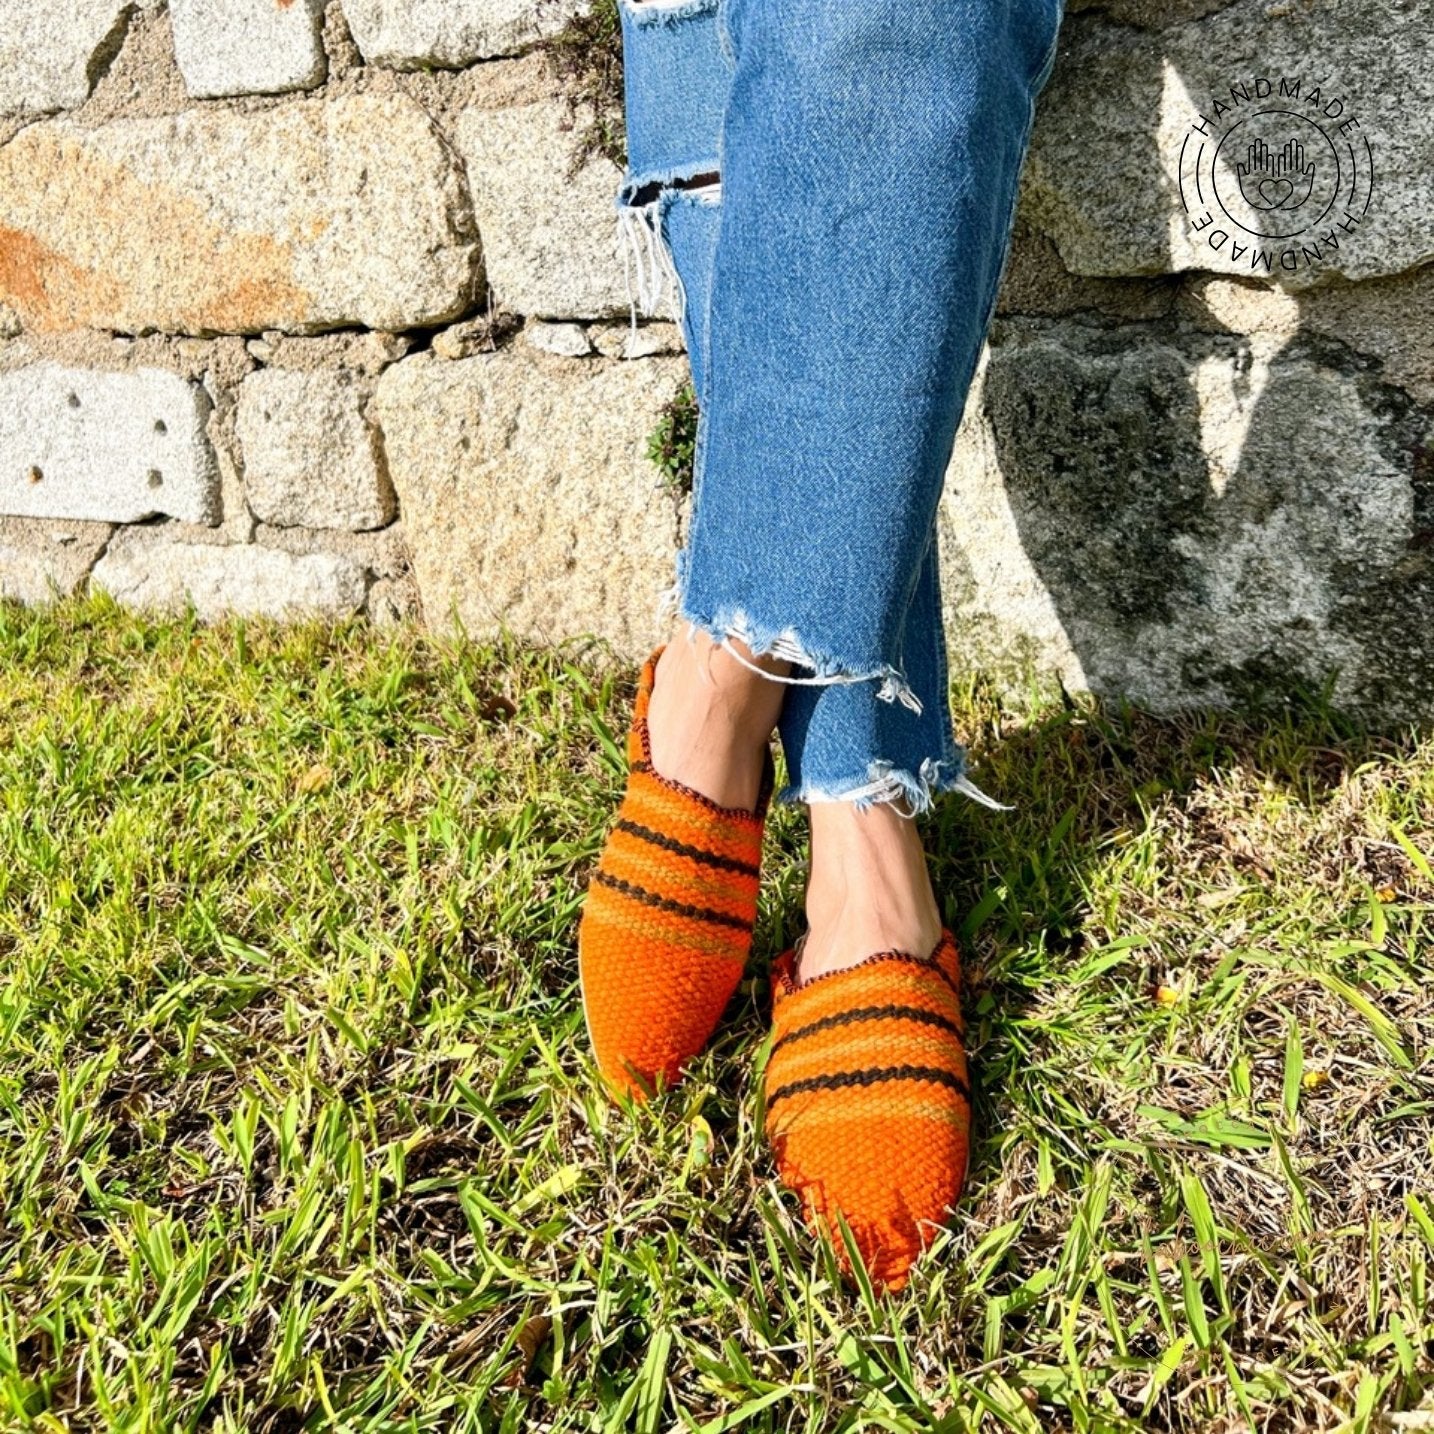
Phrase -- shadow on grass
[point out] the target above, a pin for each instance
(1086, 777)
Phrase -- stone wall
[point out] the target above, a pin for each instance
(314, 306)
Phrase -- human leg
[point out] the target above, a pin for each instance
(807, 86)
(869, 159)
(835, 284)
(667, 919)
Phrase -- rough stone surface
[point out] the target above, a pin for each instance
(526, 492)
(236, 519)
(1151, 14)
(144, 568)
(1103, 174)
(1182, 518)
(214, 366)
(366, 353)
(461, 340)
(143, 79)
(1037, 283)
(116, 447)
(306, 216)
(550, 242)
(242, 47)
(343, 53)
(383, 555)
(40, 557)
(394, 600)
(451, 33)
(383, 552)
(1389, 319)
(1173, 483)
(569, 340)
(623, 341)
(48, 52)
(311, 459)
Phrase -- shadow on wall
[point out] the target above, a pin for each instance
(1228, 498)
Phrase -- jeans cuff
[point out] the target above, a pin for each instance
(883, 781)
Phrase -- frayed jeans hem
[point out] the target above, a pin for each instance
(883, 781)
(735, 624)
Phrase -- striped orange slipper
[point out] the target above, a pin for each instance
(667, 920)
(868, 1106)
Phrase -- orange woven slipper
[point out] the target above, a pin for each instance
(667, 920)
(868, 1102)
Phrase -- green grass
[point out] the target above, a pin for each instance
(298, 1126)
(672, 444)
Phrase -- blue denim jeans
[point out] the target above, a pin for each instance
(822, 194)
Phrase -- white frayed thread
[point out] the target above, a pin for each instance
(787, 646)
(889, 786)
(967, 787)
(647, 256)
(667, 602)
(886, 790)
(894, 687)
(691, 8)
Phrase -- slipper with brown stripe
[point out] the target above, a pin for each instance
(868, 1102)
(667, 920)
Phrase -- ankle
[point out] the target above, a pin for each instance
(702, 684)
(709, 730)
(899, 903)
(868, 889)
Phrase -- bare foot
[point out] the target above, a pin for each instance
(710, 718)
(868, 889)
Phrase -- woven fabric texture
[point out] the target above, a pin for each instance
(868, 1102)
(667, 921)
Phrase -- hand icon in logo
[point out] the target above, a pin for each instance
(1276, 179)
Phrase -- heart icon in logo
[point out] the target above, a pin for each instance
(1276, 191)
